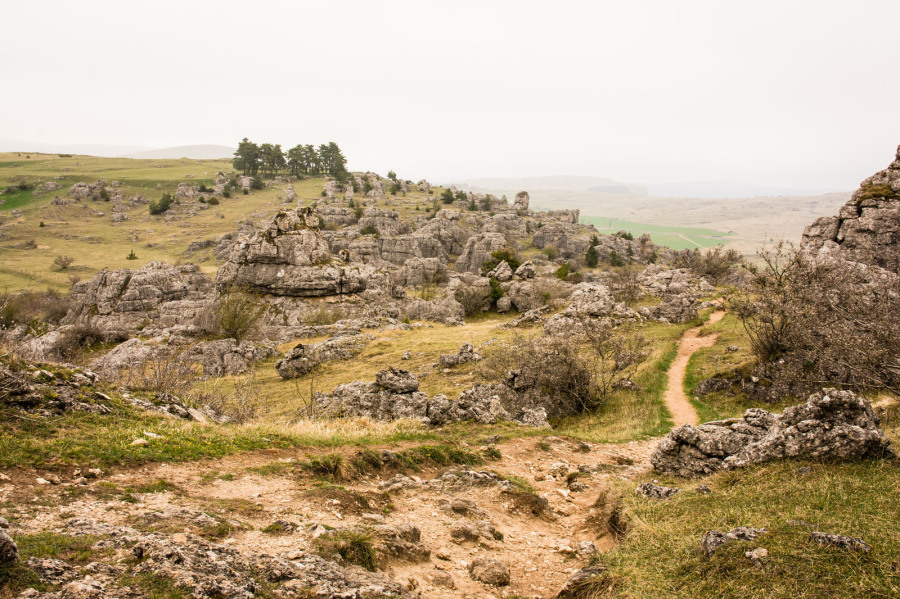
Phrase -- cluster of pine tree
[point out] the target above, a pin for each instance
(268, 159)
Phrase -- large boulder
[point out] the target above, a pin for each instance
(226, 357)
(478, 250)
(835, 425)
(867, 228)
(521, 201)
(9, 553)
(290, 257)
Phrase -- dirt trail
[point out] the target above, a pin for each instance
(681, 409)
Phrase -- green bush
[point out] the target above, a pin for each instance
(162, 205)
(615, 259)
(507, 255)
(562, 273)
(591, 258)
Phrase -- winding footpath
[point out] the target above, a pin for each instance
(676, 400)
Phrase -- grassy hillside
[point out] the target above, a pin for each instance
(79, 230)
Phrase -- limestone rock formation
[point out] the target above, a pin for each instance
(290, 257)
(9, 553)
(226, 357)
(833, 424)
(867, 228)
(478, 250)
(521, 201)
(121, 300)
(304, 357)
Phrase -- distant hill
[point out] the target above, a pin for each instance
(205, 152)
(105, 150)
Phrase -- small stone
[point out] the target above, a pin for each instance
(489, 571)
(9, 553)
(42, 481)
(586, 549)
(140, 442)
(4, 477)
(94, 473)
(713, 539)
(703, 489)
(150, 435)
(757, 556)
(441, 579)
(655, 491)
(4, 523)
(374, 518)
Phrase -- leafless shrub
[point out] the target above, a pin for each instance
(74, 340)
(815, 322)
(164, 372)
(714, 264)
(241, 402)
(569, 374)
(624, 284)
(26, 307)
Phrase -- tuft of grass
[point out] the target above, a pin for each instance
(158, 486)
(155, 586)
(330, 466)
(354, 547)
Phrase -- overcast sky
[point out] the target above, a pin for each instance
(788, 93)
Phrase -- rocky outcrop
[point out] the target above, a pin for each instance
(521, 201)
(867, 228)
(186, 191)
(833, 425)
(44, 391)
(386, 223)
(395, 395)
(226, 357)
(290, 258)
(122, 300)
(713, 539)
(9, 553)
(304, 357)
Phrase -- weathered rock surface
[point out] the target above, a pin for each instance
(290, 257)
(833, 425)
(304, 357)
(867, 228)
(122, 300)
(465, 354)
(840, 541)
(225, 357)
(9, 552)
(489, 571)
(395, 395)
(478, 250)
(655, 491)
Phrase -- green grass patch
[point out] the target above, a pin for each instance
(155, 586)
(661, 556)
(355, 547)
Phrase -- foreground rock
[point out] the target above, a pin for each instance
(840, 542)
(834, 425)
(489, 571)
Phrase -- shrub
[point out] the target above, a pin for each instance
(615, 259)
(714, 264)
(358, 212)
(625, 285)
(507, 255)
(213, 201)
(368, 230)
(562, 273)
(238, 313)
(472, 299)
(131, 255)
(572, 373)
(820, 322)
(63, 262)
(552, 252)
(447, 196)
(591, 258)
(162, 205)
(353, 546)
(257, 183)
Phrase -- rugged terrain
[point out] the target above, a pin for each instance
(384, 388)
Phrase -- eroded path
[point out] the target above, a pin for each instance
(676, 400)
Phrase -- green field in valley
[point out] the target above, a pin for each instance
(678, 238)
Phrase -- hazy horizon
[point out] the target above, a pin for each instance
(773, 94)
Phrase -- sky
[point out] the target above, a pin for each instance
(783, 93)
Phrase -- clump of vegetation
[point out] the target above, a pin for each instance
(238, 313)
(63, 262)
(368, 230)
(353, 546)
(615, 259)
(570, 374)
(507, 255)
(591, 258)
(131, 255)
(329, 466)
(713, 264)
(562, 273)
(820, 322)
(162, 205)
(876, 192)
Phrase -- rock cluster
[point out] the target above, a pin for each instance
(395, 395)
(833, 424)
(465, 354)
(713, 539)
